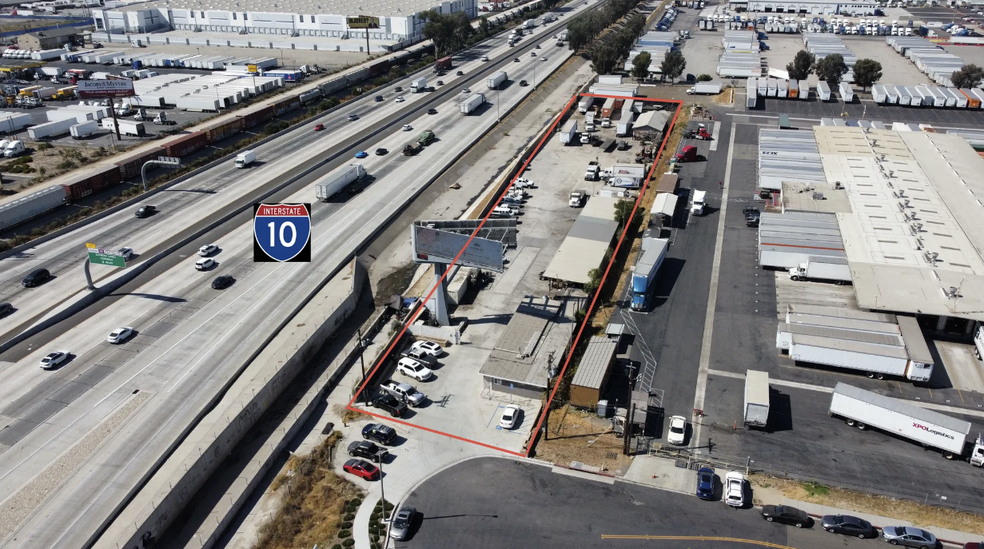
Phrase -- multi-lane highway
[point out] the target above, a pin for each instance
(79, 438)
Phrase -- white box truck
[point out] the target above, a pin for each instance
(245, 158)
(756, 398)
(863, 409)
(472, 103)
(496, 80)
(81, 131)
(568, 134)
(817, 269)
(418, 85)
(705, 88)
(337, 180)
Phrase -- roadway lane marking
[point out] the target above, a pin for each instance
(697, 538)
(705, 346)
(715, 132)
(829, 390)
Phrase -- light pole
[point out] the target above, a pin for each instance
(365, 396)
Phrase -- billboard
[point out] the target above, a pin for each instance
(362, 22)
(434, 246)
(105, 88)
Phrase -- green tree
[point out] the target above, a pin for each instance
(673, 65)
(867, 72)
(831, 69)
(594, 280)
(623, 211)
(640, 65)
(801, 65)
(447, 32)
(484, 28)
(603, 58)
(969, 76)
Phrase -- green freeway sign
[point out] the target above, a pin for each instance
(98, 256)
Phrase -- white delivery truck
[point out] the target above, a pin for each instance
(418, 85)
(818, 269)
(697, 207)
(705, 88)
(756, 398)
(496, 80)
(863, 409)
(584, 104)
(472, 103)
(245, 158)
(569, 133)
(337, 180)
(83, 130)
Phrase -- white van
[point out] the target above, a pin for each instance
(503, 211)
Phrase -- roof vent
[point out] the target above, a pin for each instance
(837, 185)
(818, 196)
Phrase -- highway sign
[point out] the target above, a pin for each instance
(362, 22)
(282, 232)
(435, 246)
(99, 256)
(105, 88)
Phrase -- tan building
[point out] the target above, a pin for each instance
(49, 39)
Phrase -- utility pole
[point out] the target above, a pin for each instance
(362, 350)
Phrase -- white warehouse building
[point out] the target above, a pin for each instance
(811, 7)
(399, 20)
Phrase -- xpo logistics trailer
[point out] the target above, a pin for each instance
(337, 180)
(472, 103)
(863, 409)
(496, 80)
(756, 399)
(646, 270)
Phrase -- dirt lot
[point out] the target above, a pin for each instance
(27, 23)
(574, 435)
(40, 163)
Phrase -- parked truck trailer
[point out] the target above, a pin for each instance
(568, 134)
(864, 409)
(756, 398)
(337, 180)
(646, 271)
(584, 104)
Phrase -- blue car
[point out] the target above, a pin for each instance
(361, 154)
(705, 483)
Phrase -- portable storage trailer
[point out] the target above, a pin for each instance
(804, 89)
(751, 92)
(891, 95)
(878, 94)
(905, 98)
(773, 87)
(823, 90)
(793, 89)
(782, 89)
(972, 101)
(763, 87)
(846, 92)
(756, 399)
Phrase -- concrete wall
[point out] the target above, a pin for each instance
(179, 478)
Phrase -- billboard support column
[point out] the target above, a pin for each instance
(441, 295)
(116, 123)
(88, 275)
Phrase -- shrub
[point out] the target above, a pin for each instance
(347, 525)
(348, 543)
(704, 78)
(337, 546)
(349, 517)
(344, 534)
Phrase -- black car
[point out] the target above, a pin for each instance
(848, 525)
(381, 151)
(6, 309)
(378, 99)
(389, 403)
(752, 216)
(516, 60)
(440, 82)
(379, 433)
(431, 111)
(368, 450)
(398, 89)
(36, 277)
(146, 211)
(460, 73)
(524, 83)
(786, 515)
(222, 282)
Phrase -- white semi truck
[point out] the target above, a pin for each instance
(419, 85)
(337, 180)
(472, 103)
(819, 269)
(496, 80)
(863, 409)
(245, 158)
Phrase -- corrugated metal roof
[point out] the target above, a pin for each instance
(838, 312)
(902, 407)
(665, 204)
(595, 362)
(844, 333)
(845, 323)
(585, 245)
(915, 341)
(788, 156)
(852, 346)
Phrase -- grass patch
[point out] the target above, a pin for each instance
(815, 489)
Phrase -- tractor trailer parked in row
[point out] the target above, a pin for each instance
(646, 270)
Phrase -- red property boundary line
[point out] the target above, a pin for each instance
(550, 133)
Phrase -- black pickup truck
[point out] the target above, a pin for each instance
(752, 216)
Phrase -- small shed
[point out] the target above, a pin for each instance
(668, 183)
(592, 373)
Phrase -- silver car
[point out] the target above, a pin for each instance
(909, 536)
(400, 529)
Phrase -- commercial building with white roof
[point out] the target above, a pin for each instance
(399, 20)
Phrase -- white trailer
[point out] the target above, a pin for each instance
(705, 88)
(879, 95)
(817, 269)
(31, 206)
(804, 89)
(469, 105)
(496, 80)
(756, 398)
(584, 104)
(14, 122)
(891, 95)
(81, 131)
(763, 87)
(337, 180)
(624, 125)
(905, 97)
(51, 129)
(846, 92)
(823, 90)
(569, 132)
(751, 93)
(863, 409)
(245, 158)
(127, 127)
(418, 85)
(772, 87)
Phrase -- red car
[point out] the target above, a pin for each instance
(361, 468)
(319, 127)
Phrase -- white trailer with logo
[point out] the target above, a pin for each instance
(863, 409)
(337, 180)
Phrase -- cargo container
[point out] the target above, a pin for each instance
(756, 399)
(569, 132)
(864, 409)
(51, 129)
(584, 104)
(846, 92)
(646, 271)
(469, 105)
(337, 180)
(81, 131)
(188, 144)
(823, 90)
(606, 109)
(257, 117)
(130, 167)
(93, 183)
(224, 130)
(804, 89)
(972, 101)
(26, 208)
(497, 80)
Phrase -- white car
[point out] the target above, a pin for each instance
(207, 250)
(466, 90)
(407, 128)
(52, 360)
(427, 348)
(485, 58)
(543, 59)
(678, 430)
(127, 253)
(510, 416)
(523, 183)
(734, 489)
(400, 99)
(204, 264)
(412, 368)
(120, 335)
